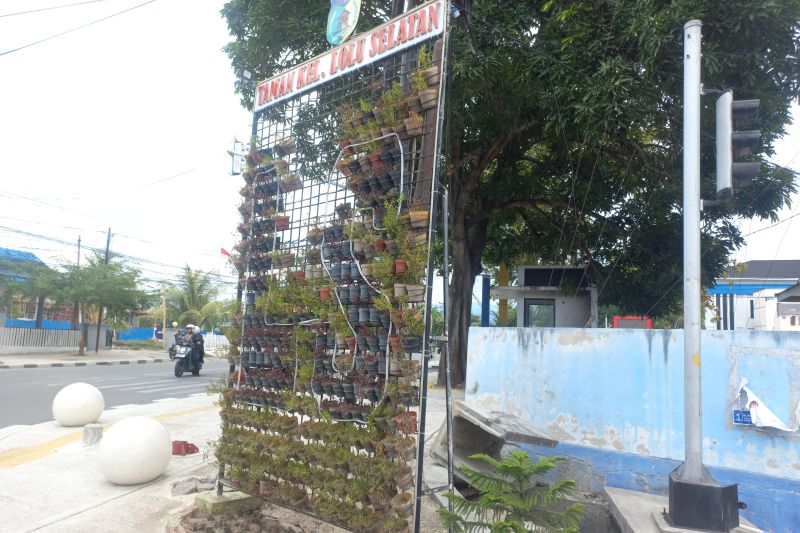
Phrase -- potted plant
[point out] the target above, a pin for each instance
(281, 222)
(429, 98)
(413, 124)
(285, 147)
(291, 182)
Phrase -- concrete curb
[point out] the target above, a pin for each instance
(81, 363)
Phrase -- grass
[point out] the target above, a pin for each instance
(152, 344)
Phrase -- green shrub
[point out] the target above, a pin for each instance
(511, 501)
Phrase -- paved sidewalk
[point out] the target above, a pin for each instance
(52, 483)
(103, 357)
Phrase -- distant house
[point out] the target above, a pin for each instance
(7, 255)
(23, 312)
(753, 295)
(552, 296)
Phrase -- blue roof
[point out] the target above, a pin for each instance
(16, 256)
(7, 254)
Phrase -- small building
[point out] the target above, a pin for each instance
(8, 259)
(552, 297)
(747, 297)
(788, 309)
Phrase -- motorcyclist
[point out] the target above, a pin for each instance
(196, 341)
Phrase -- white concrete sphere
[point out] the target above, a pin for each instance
(135, 450)
(78, 404)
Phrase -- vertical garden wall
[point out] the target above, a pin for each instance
(322, 413)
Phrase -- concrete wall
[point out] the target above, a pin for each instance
(614, 399)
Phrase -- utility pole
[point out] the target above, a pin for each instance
(696, 500)
(163, 312)
(77, 311)
(101, 309)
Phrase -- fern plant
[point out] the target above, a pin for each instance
(511, 501)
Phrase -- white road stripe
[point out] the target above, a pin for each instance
(165, 389)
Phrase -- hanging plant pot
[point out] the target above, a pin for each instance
(344, 295)
(414, 104)
(407, 421)
(286, 146)
(314, 236)
(281, 223)
(400, 289)
(291, 183)
(416, 293)
(400, 266)
(413, 127)
(418, 218)
(367, 268)
(354, 165)
(350, 342)
(431, 75)
(417, 238)
(324, 293)
(429, 98)
(391, 246)
(394, 343)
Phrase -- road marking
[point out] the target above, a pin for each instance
(19, 456)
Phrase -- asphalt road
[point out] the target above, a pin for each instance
(26, 395)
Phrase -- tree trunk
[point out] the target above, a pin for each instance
(467, 243)
(39, 312)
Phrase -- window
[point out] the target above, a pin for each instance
(752, 309)
(540, 312)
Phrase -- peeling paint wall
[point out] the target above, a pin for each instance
(621, 390)
(614, 400)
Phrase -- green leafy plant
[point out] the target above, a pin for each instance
(425, 57)
(510, 500)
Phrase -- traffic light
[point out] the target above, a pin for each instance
(733, 144)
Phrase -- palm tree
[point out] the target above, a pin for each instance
(191, 299)
(193, 291)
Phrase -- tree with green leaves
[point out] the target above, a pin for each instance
(563, 131)
(29, 281)
(191, 299)
(93, 286)
(511, 500)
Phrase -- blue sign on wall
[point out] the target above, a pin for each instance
(742, 416)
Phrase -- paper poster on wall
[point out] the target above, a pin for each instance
(750, 410)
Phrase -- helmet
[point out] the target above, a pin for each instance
(192, 326)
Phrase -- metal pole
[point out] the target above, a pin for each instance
(692, 469)
(429, 282)
(447, 391)
(100, 310)
(163, 314)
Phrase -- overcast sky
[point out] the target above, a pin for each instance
(126, 123)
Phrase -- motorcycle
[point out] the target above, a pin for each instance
(183, 360)
(173, 349)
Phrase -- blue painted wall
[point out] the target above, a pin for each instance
(135, 334)
(46, 324)
(614, 398)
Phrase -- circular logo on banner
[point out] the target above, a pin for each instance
(342, 20)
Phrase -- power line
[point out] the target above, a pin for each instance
(51, 8)
(169, 178)
(75, 28)
(120, 255)
(772, 225)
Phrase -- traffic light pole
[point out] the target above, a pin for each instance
(692, 468)
(696, 500)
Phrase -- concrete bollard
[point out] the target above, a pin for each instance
(92, 434)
